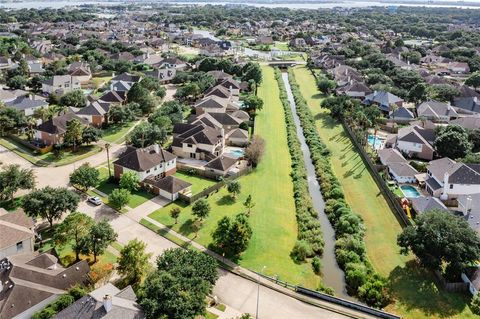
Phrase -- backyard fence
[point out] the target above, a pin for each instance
(450, 286)
(215, 187)
(389, 196)
(39, 150)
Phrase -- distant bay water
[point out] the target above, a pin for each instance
(292, 5)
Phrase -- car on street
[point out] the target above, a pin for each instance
(95, 200)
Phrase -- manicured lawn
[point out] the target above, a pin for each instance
(416, 295)
(282, 46)
(106, 186)
(67, 157)
(199, 183)
(273, 217)
(116, 133)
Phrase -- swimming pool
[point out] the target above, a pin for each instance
(236, 153)
(409, 191)
(376, 143)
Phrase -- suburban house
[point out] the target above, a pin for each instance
(96, 113)
(402, 172)
(151, 161)
(162, 75)
(448, 179)
(169, 187)
(415, 141)
(458, 67)
(52, 131)
(436, 111)
(113, 97)
(27, 104)
(467, 105)
(123, 82)
(172, 63)
(17, 234)
(221, 166)
(214, 104)
(30, 281)
(354, 89)
(81, 70)
(467, 122)
(423, 204)
(401, 115)
(106, 301)
(390, 155)
(61, 84)
(384, 100)
(197, 141)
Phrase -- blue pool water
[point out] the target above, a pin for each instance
(409, 191)
(378, 142)
(236, 153)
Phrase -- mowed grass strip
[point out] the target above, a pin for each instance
(413, 289)
(273, 217)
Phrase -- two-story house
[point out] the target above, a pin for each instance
(151, 161)
(17, 234)
(52, 131)
(415, 141)
(60, 84)
(197, 141)
(123, 82)
(448, 179)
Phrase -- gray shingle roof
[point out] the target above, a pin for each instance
(143, 159)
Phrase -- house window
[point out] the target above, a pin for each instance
(189, 145)
(19, 246)
(192, 155)
(451, 186)
(148, 171)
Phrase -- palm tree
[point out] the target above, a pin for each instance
(107, 148)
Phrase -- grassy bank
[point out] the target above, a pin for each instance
(273, 217)
(413, 289)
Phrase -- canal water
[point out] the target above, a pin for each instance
(333, 276)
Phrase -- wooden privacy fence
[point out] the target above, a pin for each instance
(389, 196)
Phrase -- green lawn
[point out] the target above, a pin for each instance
(106, 186)
(199, 183)
(116, 133)
(273, 218)
(416, 295)
(282, 46)
(67, 157)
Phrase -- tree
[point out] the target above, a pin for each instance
(175, 213)
(99, 237)
(91, 135)
(452, 141)
(122, 114)
(475, 304)
(253, 103)
(418, 93)
(325, 85)
(249, 204)
(50, 203)
(74, 98)
(201, 209)
(18, 82)
(179, 286)
(440, 238)
(129, 180)
(232, 237)
(137, 93)
(474, 80)
(252, 71)
(14, 178)
(443, 92)
(474, 138)
(73, 228)
(146, 134)
(255, 150)
(85, 176)
(74, 132)
(234, 188)
(11, 119)
(119, 197)
(133, 262)
(107, 149)
(151, 84)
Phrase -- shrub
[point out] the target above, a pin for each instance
(475, 304)
(356, 275)
(316, 265)
(301, 251)
(374, 292)
(326, 290)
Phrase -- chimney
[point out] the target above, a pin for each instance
(1, 286)
(467, 209)
(156, 148)
(444, 195)
(107, 303)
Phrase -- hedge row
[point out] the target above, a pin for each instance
(310, 238)
(362, 280)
